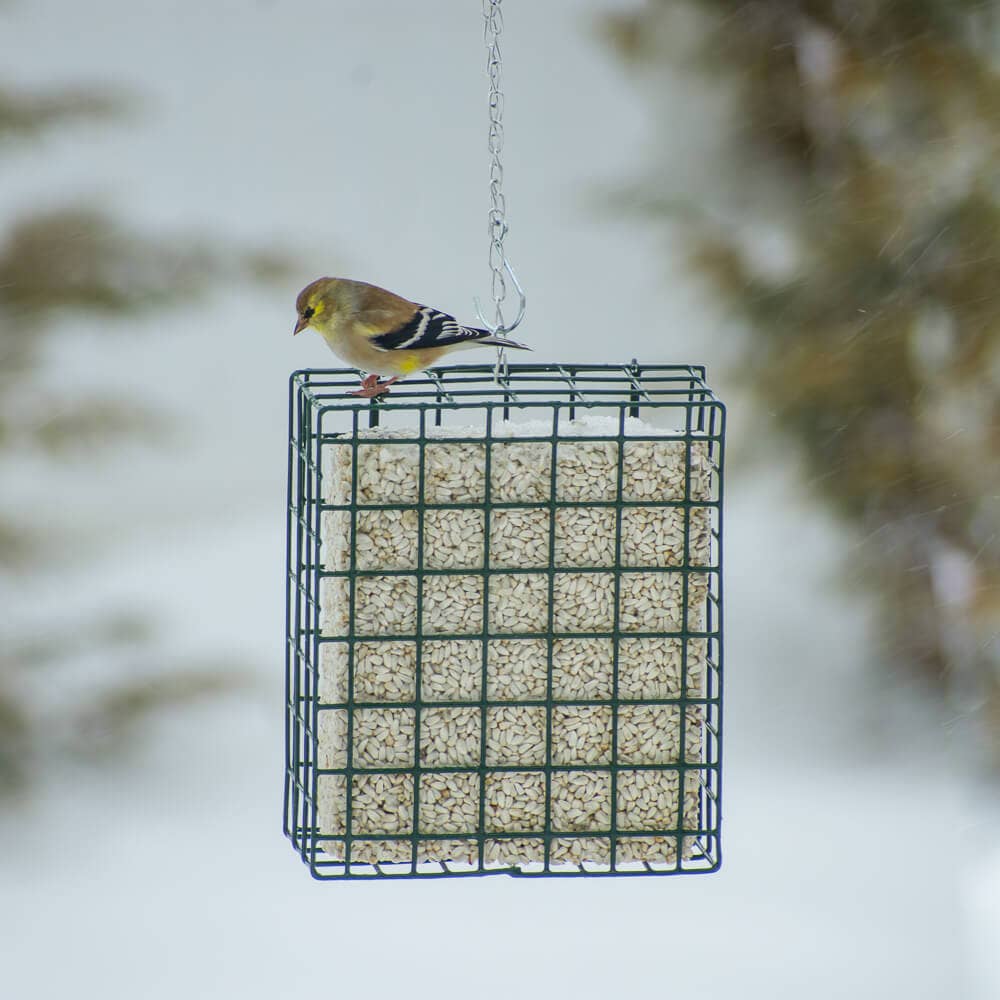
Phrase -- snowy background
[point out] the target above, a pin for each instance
(861, 853)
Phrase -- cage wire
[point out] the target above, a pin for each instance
(504, 623)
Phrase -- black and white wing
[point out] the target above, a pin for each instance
(429, 328)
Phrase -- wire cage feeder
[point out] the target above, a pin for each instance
(504, 622)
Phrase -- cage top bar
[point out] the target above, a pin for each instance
(524, 385)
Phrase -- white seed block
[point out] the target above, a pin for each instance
(517, 670)
(587, 470)
(694, 734)
(456, 851)
(651, 668)
(333, 675)
(647, 800)
(581, 800)
(454, 538)
(581, 734)
(383, 671)
(655, 470)
(383, 737)
(335, 534)
(648, 734)
(515, 735)
(449, 803)
(520, 471)
(450, 737)
(570, 564)
(585, 536)
(386, 539)
(582, 851)
(334, 606)
(453, 604)
(331, 804)
(519, 538)
(653, 536)
(389, 851)
(654, 602)
(584, 602)
(387, 473)
(648, 850)
(520, 851)
(383, 605)
(515, 801)
(582, 669)
(380, 851)
(455, 473)
(519, 602)
(332, 725)
(452, 670)
(381, 803)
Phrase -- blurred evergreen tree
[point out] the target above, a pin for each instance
(862, 140)
(81, 261)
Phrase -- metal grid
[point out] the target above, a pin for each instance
(320, 413)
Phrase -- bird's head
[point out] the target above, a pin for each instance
(315, 303)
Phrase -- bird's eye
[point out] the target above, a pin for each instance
(308, 312)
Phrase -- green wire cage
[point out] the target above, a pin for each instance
(504, 622)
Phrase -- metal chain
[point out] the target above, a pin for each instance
(492, 29)
(499, 264)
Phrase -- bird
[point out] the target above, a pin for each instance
(382, 333)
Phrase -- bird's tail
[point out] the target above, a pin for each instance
(497, 341)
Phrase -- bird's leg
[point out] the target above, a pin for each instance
(370, 387)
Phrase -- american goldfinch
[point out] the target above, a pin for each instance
(383, 333)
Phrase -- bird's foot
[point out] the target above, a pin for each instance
(371, 387)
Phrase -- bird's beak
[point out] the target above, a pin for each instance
(300, 325)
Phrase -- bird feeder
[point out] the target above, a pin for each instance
(504, 622)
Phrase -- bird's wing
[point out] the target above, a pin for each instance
(427, 328)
